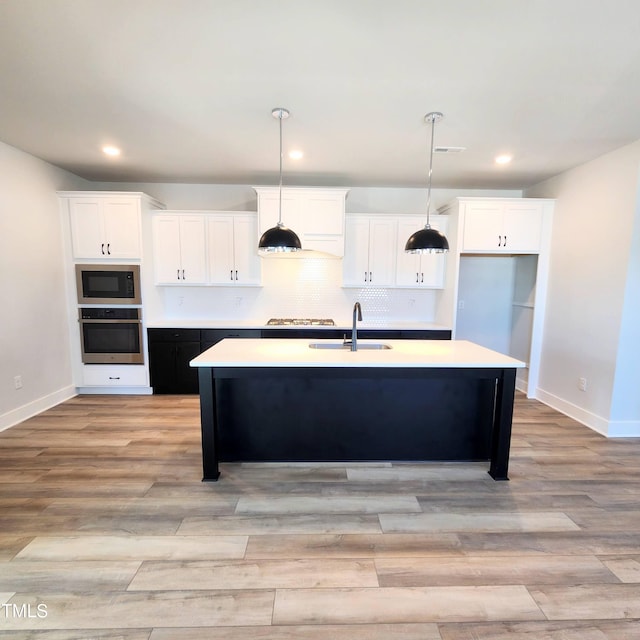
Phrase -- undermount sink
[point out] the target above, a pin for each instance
(347, 347)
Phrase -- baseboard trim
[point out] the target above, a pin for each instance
(116, 391)
(15, 416)
(608, 428)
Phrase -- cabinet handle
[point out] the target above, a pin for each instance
(416, 276)
(422, 277)
(365, 276)
(505, 242)
(114, 377)
(178, 273)
(230, 274)
(108, 248)
(102, 248)
(236, 274)
(370, 276)
(499, 241)
(183, 275)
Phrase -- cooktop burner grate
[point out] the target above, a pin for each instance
(322, 322)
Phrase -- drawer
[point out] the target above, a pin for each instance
(209, 337)
(108, 375)
(173, 335)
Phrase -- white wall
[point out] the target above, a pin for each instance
(625, 404)
(593, 293)
(34, 335)
(238, 197)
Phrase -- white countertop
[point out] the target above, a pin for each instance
(288, 352)
(343, 325)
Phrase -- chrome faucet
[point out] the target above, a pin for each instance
(357, 315)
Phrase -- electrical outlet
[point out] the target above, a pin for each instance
(17, 382)
(460, 304)
(582, 384)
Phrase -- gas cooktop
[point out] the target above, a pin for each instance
(322, 322)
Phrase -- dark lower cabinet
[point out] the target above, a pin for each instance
(171, 350)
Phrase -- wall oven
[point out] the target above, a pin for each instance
(111, 335)
(108, 284)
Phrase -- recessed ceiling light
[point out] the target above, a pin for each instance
(504, 159)
(111, 151)
(296, 154)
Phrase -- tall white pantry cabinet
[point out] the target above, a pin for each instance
(497, 276)
(103, 227)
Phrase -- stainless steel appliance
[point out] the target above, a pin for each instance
(302, 322)
(108, 284)
(111, 335)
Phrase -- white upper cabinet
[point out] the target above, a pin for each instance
(316, 215)
(233, 249)
(179, 249)
(105, 227)
(369, 258)
(502, 226)
(419, 271)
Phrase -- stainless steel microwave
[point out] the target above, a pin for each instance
(111, 284)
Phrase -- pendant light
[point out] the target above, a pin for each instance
(428, 240)
(279, 238)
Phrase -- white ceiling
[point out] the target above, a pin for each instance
(186, 87)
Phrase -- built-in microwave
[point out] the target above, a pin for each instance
(108, 284)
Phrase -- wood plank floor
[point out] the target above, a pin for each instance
(106, 531)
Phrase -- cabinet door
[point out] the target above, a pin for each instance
(247, 264)
(113, 375)
(483, 226)
(179, 249)
(432, 264)
(356, 254)
(87, 232)
(166, 249)
(268, 207)
(323, 222)
(105, 228)
(408, 265)
(523, 226)
(382, 254)
(162, 366)
(324, 213)
(419, 270)
(220, 236)
(122, 227)
(193, 250)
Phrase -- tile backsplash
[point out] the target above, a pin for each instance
(295, 287)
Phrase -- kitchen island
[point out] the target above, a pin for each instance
(416, 400)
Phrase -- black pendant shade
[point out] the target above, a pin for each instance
(427, 240)
(278, 239)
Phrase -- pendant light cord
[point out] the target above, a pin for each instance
(280, 186)
(432, 116)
